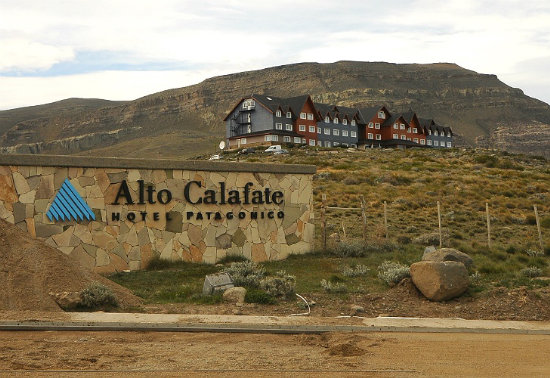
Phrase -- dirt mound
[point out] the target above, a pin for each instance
(30, 270)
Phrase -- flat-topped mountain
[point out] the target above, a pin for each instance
(187, 121)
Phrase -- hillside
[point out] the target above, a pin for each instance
(482, 110)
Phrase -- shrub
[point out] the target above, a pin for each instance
(392, 272)
(230, 258)
(246, 273)
(355, 271)
(281, 285)
(475, 278)
(333, 287)
(531, 271)
(534, 253)
(351, 249)
(97, 295)
(259, 296)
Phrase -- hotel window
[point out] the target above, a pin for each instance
(288, 127)
(297, 140)
(378, 137)
(312, 142)
(402, 126)
(395, 136)
(377, 126)
(319, 130)
(449, 144)
(415, 140)
(436, 133)
(353, 134)
(371, 125)
(302, 127)
(327, 143)
(403, 137)
(278, 114)
(336, 144)
(335, 132)
(335, 120)
(353, 122)
(327, 131)
(429, 142)
(310, 116)
(288, 115)
(345, 121)
(422, 141)
(302, 115)
(415, 130)
(267, 138)
(279, 126)
(327, 119)
(243, 140)
(344, 133)
(312, 129)
(395, 126)
(370, 136)
(274, 138)
(286, 139)
(382, 115)
(436, 143)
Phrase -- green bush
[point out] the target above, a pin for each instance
(531, 272)
(97, 295)
(259, 296)
(355, 271)
(392, 272)
(281, 285)
(231, 258)
(333, 287)
(246, 273)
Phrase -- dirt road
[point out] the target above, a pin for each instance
(215, 354)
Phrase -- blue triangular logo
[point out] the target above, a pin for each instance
(68, 205)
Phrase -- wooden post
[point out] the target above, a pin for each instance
(386, 219)
(323, 221)
(439, 220)
(488, 225)
(364, 214)
(538, 228)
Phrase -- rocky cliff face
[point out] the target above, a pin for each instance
(481, 109)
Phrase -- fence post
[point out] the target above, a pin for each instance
(439, 220)
(538, 228)
(488, 225)
(386, 219)
(364, 214)
(323, 220)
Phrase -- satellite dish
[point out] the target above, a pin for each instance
(222, 145)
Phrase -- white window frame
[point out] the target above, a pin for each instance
(286, 139)
(302, 128)
(353, 122)
(288, 114)
(267, 138)
(448, 135)
(436, 133)
(327, 143)
(429, 142)
(345, 133)
(310, 116)
(449, 144)
(429, 132)
(377, 126)
(381, 115)
(415, 140)
(422, 141)
(378, 136)
(344, 121)
(319, 143)
(274, 138)
(371, 125)
(327, 119)
(354, 134)
(297, 140)
(415, 130)
(243, 140)
(249, 103)
(278, 113)
(302, 115)
(327, 131)
(395, 136)
(311, 129)
(335, 132)
(312, 142)
(370, 136)
(403, 137)
(335, 144)
(288, 127)
(278, 126)
(409, 129)
(335, 120)
(402, 126)
(319, 130)
(436, 143)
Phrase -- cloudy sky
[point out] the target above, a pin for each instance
(122, 50)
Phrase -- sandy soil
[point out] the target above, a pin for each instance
(214, 354)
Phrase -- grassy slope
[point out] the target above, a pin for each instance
(411, 182)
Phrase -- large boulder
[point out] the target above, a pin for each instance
(235, 294)
(448, 254)
(440, 281)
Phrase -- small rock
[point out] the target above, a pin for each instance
(429, 249)
(237, 311)
(355, 309)
(235, 294)
(448, 254)
(67, 300)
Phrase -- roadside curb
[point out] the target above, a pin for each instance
(271, 324)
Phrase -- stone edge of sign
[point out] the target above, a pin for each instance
(128, 163)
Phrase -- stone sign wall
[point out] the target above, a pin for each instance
(178, 210)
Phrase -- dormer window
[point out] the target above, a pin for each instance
(436, 133)
(449, 135)
(288, 115)
(381, 115)
(278, 113)
(395, 126)
(371, 125)
(345, 121)
(377, 126)
(429, 132)
(310, 116)
(402, 126)
(249, 104)
(415, 130)
(302, 115)
(335, 120)
(327, 119)
(353, 122)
